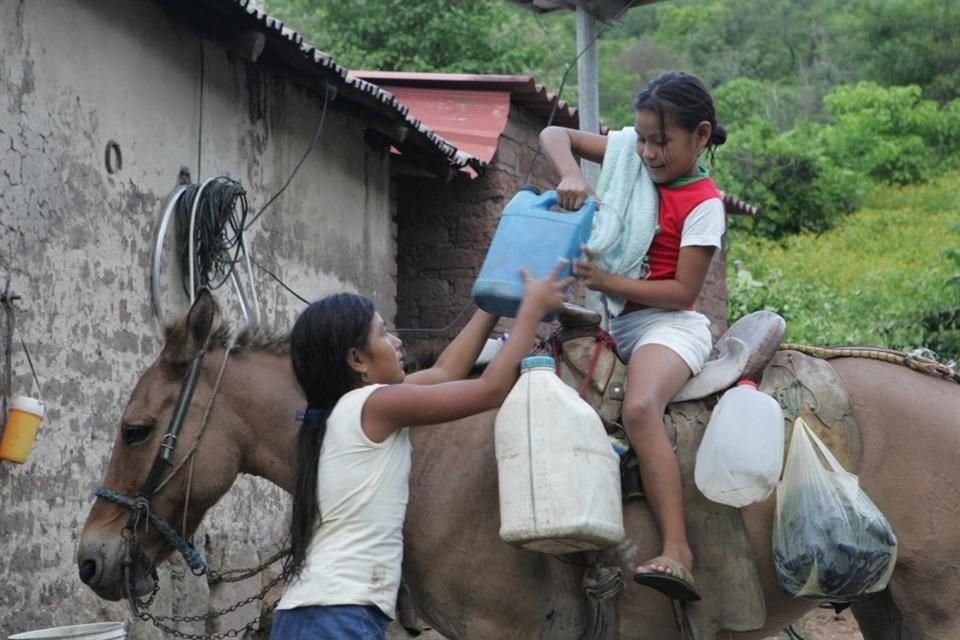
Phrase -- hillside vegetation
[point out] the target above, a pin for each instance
(879, 277)
(843, 121)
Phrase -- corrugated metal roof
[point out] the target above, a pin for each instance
(312, 67)
(471, 120)
(523, 89)
(469, 110)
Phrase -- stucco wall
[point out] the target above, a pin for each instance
(444, 235)
(76, 242)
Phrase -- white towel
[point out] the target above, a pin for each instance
(626, 220)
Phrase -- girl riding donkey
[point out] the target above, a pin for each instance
(660, 220)
(353, 466)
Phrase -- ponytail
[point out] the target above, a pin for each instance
(320, 343)
(305, 514)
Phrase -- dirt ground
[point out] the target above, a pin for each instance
(823, 624)
(819, 624)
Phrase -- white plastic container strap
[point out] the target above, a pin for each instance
(94, 631)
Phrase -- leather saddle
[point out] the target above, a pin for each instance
(743, 351)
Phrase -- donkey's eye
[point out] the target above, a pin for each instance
(136, 433)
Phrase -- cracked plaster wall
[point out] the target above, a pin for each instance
(76, 244)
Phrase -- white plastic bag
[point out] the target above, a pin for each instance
(829, 540)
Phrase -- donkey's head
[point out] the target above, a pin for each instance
(141, 489)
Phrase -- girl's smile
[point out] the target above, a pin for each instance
(668, 151)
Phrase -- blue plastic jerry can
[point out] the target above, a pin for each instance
(529, 235)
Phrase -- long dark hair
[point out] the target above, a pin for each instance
(319, 345)
(686, 99)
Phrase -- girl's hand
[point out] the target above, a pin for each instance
(546, 294)
(572, 191)
(588, 271)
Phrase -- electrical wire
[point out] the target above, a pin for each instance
(215, 243)
(394, 330)
(792, 633)
(200, 109)
(563, 80)
(313, 143)
(279, 281)
(441, 329)
(216, 211)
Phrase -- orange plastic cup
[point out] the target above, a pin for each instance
(23, 420)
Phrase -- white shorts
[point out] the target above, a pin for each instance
(687, 333)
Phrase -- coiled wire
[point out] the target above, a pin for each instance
(218, 223)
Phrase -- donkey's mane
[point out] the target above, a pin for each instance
(250, 339)
(255, 338)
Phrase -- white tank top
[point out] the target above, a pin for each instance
(355, 555)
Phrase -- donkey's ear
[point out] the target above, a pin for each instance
(188, 336)
(203, 320)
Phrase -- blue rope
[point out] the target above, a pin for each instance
(193, 557)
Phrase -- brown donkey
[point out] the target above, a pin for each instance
(465, 582)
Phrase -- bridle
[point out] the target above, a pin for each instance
(140, 506)
(141, 511)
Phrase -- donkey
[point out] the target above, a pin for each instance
(464, 581)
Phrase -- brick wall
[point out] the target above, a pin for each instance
(444, 231)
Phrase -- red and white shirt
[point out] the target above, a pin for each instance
(690, 215)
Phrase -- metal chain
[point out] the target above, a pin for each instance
(133, 555)
(139, 606)
(158, 621)
(236, 575)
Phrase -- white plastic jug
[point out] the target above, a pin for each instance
(559, 476)
(741, 456)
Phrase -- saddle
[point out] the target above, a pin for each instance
(741, 352)
(804, 386)
(734, 594)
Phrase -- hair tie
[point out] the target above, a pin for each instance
(311, 418)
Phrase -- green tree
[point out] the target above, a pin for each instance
(891, 133)
(903, 42)
(457, 36)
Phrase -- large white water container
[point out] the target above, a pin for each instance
(741, 456)
(559, 475)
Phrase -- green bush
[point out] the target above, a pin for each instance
(806, 178)
(744, 101)
(937, 330)
(939, 326)
(797, 187)
(891, 134)
(878, 278)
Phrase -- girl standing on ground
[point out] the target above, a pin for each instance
(664, 339)
(350, 497)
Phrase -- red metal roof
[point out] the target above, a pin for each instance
(469, 120)
(470, 111)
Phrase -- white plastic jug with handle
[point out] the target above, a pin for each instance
(741, 456)
(559, 476)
